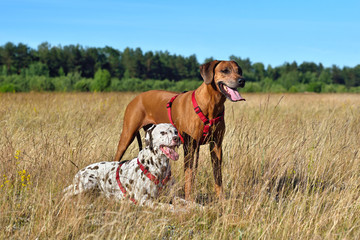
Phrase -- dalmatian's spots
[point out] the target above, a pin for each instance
(101, 176)
(107, 176)
(128, 186)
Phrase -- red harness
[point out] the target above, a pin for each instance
(207, 122)
(146, 172)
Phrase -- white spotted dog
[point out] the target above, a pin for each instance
(140, 179)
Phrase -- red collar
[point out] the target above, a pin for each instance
(146, 172)
(152, 177)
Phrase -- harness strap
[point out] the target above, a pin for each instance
(119, 183)
(168, 106)
(207, 123)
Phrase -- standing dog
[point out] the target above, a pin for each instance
(141, 179)
(221, 80)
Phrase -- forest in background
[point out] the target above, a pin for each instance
(78, 68)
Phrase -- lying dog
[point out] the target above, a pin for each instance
(140, 179)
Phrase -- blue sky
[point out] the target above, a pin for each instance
(271, 32)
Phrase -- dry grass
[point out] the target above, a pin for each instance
(291, 170)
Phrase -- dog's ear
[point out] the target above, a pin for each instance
(148, 138)
(207, 71)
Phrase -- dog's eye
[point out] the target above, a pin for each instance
(176, 132)
(226, 71)
(162, 133)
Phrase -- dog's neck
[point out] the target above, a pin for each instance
(155, 161)
(210, 100)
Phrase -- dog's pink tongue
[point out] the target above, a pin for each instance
(170, 153)
(235, 95)
(173, 155)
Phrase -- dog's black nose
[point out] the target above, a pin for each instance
(176, 139)
(241, 82)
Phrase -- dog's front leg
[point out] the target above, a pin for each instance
(216, 160)
(157, 205)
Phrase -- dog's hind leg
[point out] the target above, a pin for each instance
(133, 122)
(68, 191)
(190, 166)
(72, 190)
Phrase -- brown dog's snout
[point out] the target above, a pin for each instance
(241, 82)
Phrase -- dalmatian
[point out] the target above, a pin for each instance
(140, 179)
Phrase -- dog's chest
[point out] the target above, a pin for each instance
(142, 177)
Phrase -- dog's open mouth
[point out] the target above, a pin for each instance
(230, 93)
(170, 152)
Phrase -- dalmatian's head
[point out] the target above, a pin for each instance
(163, 138)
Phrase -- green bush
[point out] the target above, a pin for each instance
(266, 84)
(40, 83)
(7, 87)
(252, 87)
(102, 80)
(354, 90)
(277, 88)
(315, 87)
(130, 84)
(293, 89)
(83, 85)
(340, 88)
(185, 85)
(329, 88)
(62, 84)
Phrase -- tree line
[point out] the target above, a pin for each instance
(78, 68)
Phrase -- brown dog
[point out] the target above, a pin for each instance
(221, 79)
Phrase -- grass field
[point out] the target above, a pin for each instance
(291, 170)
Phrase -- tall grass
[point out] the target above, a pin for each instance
(291, 170)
